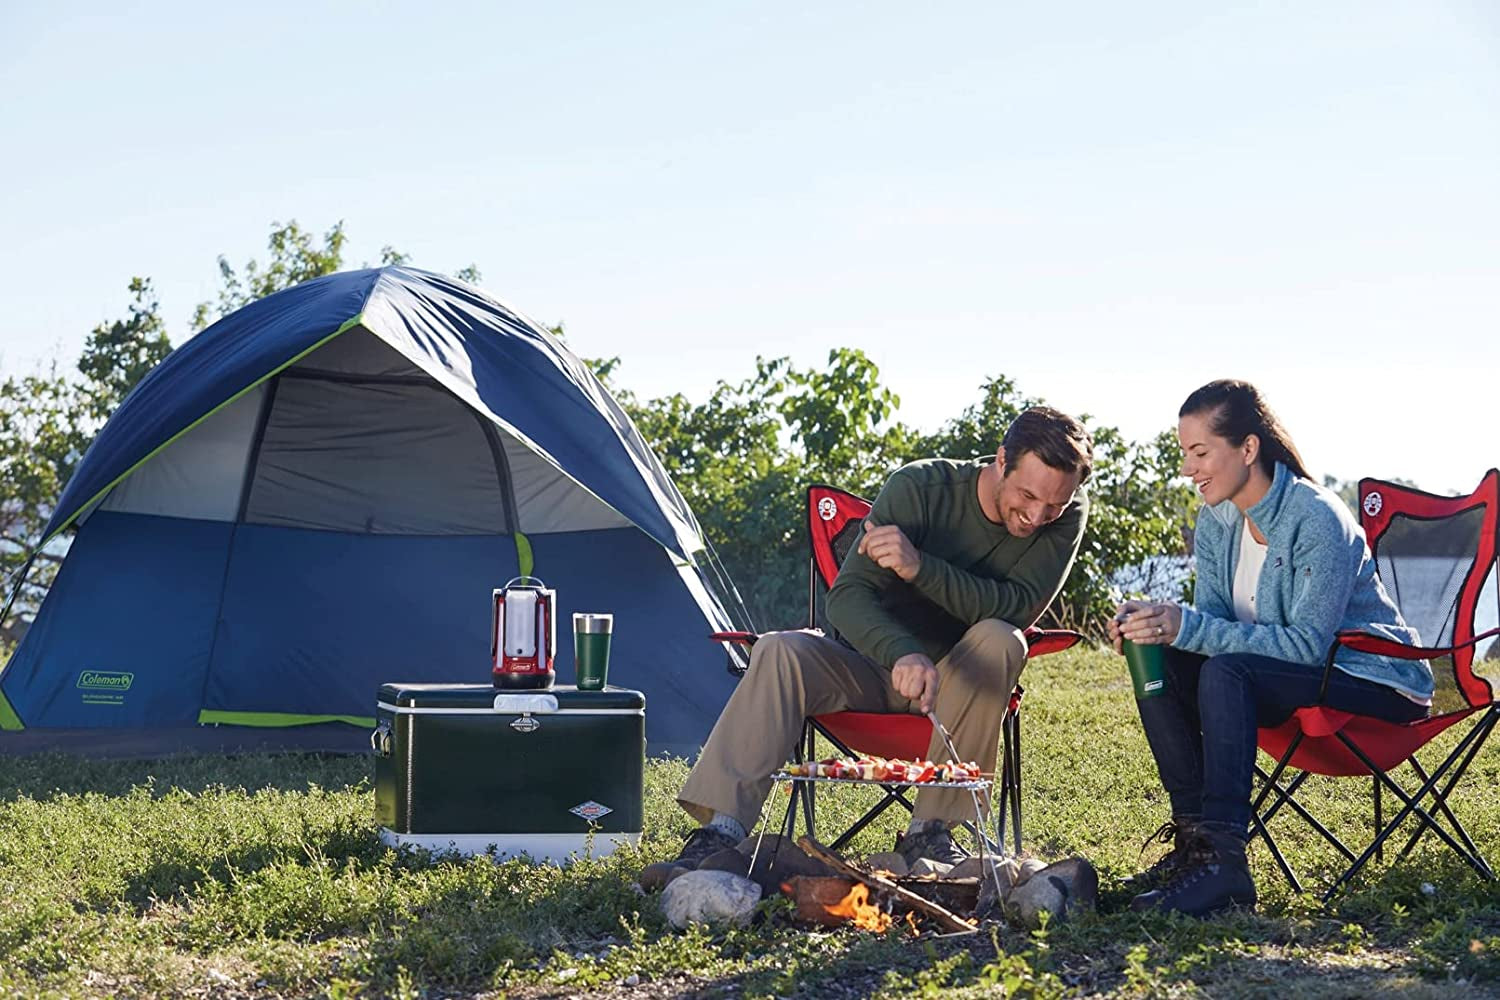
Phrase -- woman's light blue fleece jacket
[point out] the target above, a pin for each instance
(1318, 578)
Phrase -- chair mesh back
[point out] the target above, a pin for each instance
(1424, 564)
(1434, 555)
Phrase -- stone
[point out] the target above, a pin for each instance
(927, 866)
(975, 867)
(779, 860)
(890, 861)
(654, 878)
(1028, 868)
(1080, 881)
(713, 898)
(727, 860)
(1026, 902)
(1006, 872)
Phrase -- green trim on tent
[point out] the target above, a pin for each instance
(523, 553)
(346, 326)
(208, 717)
(9, 720)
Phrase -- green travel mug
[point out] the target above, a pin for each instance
(1148, 668)
(591, 633)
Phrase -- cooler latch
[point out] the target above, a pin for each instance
(526, 704)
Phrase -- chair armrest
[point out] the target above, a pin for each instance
(1379, 645)
(742, 638)
(1365, 642)
(1041, 641)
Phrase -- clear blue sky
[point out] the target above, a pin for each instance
(1111, 203)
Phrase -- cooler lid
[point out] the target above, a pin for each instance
(488, 698)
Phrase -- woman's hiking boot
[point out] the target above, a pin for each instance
(1176, 831)
(1216, 876)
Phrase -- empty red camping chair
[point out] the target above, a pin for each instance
(1434, 555)
(833, 524)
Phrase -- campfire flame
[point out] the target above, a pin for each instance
(856, 907)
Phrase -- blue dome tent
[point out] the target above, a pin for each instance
(318, 493)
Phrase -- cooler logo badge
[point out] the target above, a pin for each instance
(827, 509)
(590, 810)
(1373, 502)
(526, 724)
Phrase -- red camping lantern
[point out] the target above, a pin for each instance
(524, 636)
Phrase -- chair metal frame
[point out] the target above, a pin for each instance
(1341, 744)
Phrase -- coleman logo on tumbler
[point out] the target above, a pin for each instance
(524, 635)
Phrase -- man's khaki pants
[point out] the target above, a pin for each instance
(796, 674)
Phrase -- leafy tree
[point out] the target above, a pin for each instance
(744, 457)
(42, 437)
(118, 355)
(294, 258)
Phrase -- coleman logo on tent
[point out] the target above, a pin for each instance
(105, 680)
(590, 810)
(526, 724)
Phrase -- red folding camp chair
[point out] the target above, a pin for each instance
(833, 523)
(1433, 555)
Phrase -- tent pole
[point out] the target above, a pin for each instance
(16, 590)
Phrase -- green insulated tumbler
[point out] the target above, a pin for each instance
(591, 632)
(1148, 668)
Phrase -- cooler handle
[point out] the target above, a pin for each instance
(380, 740)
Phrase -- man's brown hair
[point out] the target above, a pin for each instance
(1052, 436)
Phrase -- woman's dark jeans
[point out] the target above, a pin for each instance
(1202, 726)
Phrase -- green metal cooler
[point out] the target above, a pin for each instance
(469, 769)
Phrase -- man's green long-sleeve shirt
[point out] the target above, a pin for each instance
(972, 568)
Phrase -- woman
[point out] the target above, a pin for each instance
(1281, 566)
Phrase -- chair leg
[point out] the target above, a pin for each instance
(1375, 792)
(1008, 809)
(1412, 804)
(809, 804)
(1287, 797)
(1015, 775)
(1270, 783)
(892, 796)
(1441, 796)
(1281, 862)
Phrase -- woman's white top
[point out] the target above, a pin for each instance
(1247, 576)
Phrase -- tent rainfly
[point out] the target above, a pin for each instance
(318, 493)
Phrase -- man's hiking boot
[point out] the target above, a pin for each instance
(701, 843)
(932, 841)
(1176, 831)
(1215, 876)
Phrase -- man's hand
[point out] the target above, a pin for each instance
(914, 677)
(887, 547)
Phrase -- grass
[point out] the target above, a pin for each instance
(263, 876)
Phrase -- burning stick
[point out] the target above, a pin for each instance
(830, 901)
(945, 918)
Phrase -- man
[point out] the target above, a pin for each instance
(956, 558)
